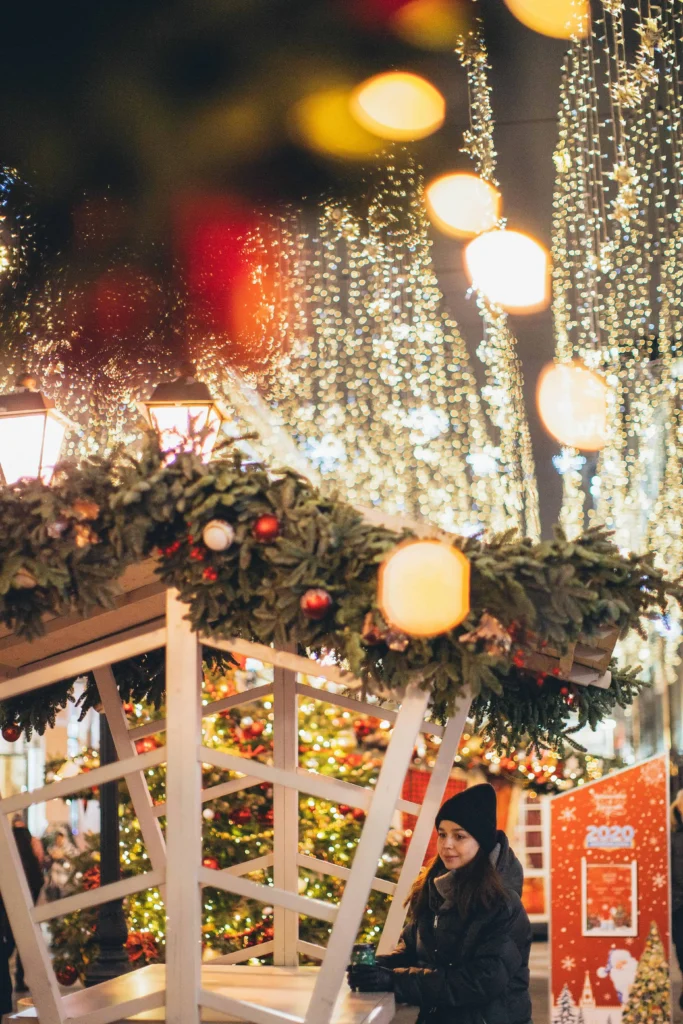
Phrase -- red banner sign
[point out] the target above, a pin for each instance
(610, 896)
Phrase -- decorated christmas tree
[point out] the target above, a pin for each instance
(649, 1000)
(239, 826)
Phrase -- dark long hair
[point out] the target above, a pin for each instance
(478, 884)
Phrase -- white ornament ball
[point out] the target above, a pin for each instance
(218, 535)
(208, 814)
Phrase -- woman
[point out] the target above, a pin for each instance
(677, 879)
(463, 957)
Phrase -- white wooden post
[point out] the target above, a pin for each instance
(286, 813)
(27, 934)
(423, 827)
(140, 796)
(368, 852)
(183, 817)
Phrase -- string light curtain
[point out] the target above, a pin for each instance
(618, 282)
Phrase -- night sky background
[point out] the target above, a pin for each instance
(151, 101)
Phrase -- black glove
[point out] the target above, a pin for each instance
(370, 978)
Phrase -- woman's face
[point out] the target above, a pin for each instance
(455, 846)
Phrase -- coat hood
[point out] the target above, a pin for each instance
(507, 863)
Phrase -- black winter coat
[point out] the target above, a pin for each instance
(473, 971)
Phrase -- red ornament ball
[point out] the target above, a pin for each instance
(144, 746)
(67, 974)
(211, 863)
(316, 603)
(268, 816)
(255, 729)
(241, 816)
(11, 732)
(359, 814)
(266, 529)
(344, 809)
(564, 691)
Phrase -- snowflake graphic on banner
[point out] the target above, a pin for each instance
(568, 814)
(659, 881)
(569, 963)
(651, 773)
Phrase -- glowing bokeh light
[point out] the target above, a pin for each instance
(424, 588)
(572, 403)
(322, 121)
(432, 24)
(32, 431)
(462, 205)
(561, 19)
(510, 269)
(398, 105)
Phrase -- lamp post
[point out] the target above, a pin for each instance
(184, 414)
(111, 931)
(31, 433)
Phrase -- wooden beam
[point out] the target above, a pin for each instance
(140, 796)
(85, 780)
(235, 700)
(183, 817)
(240, 955)
(284, 659)
(361, 707)
(268, 894)
(84, 659)
(324, 867)
(215, 792)
(119, 1012)
(311, 949)
(95, 897)
(424, 826)
(397, 759)
(238, 1009)
(285, 813)
(30, 941)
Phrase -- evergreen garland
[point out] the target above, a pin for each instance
(64, 547)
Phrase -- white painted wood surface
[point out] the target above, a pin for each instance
(424, 826)
(385, 796)
(183, 820)
(286, 813)
(141, 798)
(27, 934)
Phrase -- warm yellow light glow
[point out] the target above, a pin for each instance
(323, 122)
(432, 24)
(462, 205)
(572, 402)
(178, 426)
(31, 433)
(510, 269)
(561, 19)
(424, 588)
(398, 105)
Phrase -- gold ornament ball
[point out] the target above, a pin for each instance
(218, 535)
(572, 403)
(424, 588)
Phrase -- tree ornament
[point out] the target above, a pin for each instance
(266, 529)
(58, 528)
(24, 580)
(268, 816)
(316, 603)
(358, 814)
(84, 508)
(171, 549)
(146, 744)
(11, 732)
(242, 815)
(218, 535)
(208, 814)
(66, 975)
(490, 636)
(211, 863)
(84, 535)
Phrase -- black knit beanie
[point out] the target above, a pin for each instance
(475, 811)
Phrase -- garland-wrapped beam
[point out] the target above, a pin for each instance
(64, 547)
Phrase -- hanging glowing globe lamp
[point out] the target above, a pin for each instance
(31, 433)
(424, 588)
(184, 414)
(462, 205)
(510, 269)
(572, 403)
(322, 121)
(398, 105)
(561, 19)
